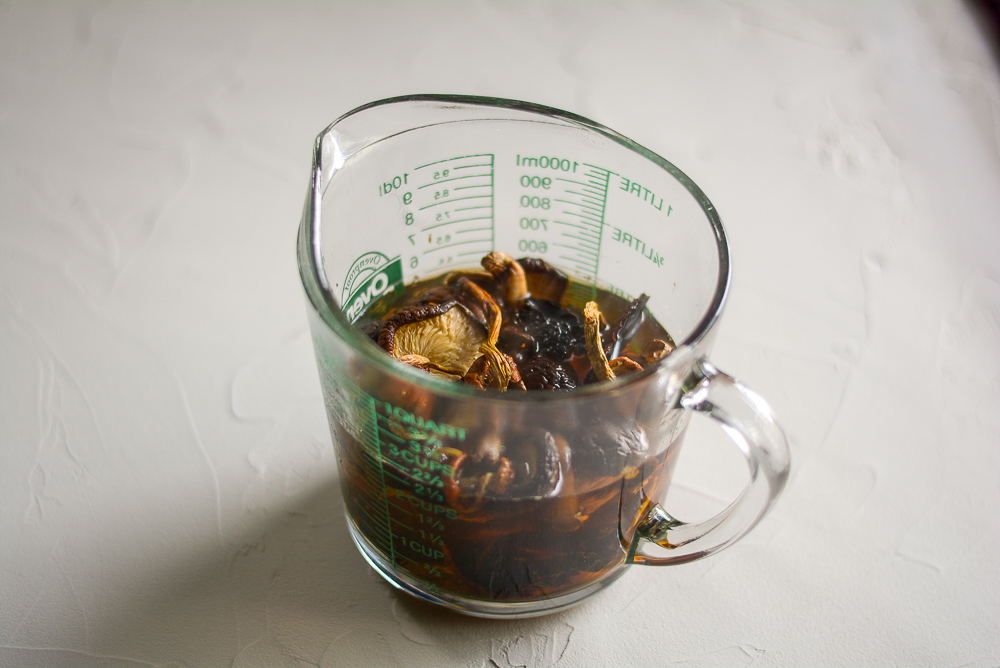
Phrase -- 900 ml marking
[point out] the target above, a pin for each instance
(536, 181)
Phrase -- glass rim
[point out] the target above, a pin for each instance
(326, 305)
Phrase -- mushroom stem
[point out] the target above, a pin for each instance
(477, 275)
(506, 269)
(595, 351)
(622, 366)
(500, 370)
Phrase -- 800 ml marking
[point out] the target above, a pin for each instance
(530, 202)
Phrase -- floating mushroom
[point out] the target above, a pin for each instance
(595, 350)
(656, 350)
(557, 332)
(442, 338)
(509, 274)
(544, 281)
(623, 366)
(484, 373)
(541, 373)
(504, 327)
(498, 370)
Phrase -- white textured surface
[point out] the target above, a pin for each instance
(168, 491)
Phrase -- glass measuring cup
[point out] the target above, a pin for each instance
(408, 188)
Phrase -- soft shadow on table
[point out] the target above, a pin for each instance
(287, 580)
(987, 14)
(293, 588)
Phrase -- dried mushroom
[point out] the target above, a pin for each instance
(608, 446)
(544, 281)
(550, 330)
(497, 370)
(595, 349)
(506, 327)
(509, 274)
(475, 478)
(613, 342)
(539, 460)
(656, 350)
(623, 366)
(541, 373)
(443, 338)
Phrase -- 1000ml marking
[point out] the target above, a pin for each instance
(548, 162)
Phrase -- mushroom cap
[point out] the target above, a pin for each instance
(450, 340)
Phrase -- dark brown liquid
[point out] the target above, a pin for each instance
(427, 494)
(502, 549)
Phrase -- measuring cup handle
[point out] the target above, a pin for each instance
(746, 418)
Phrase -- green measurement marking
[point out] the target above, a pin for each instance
(396, 477)
(453, 245)
(377, 529)
(453, 199)
(580, 203)
(371, 443)
(453, 178)
(460, 220)
(452, 217)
